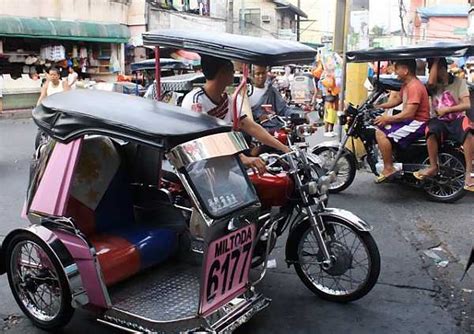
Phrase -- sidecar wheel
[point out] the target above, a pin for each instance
(356, 265)
(345, 169)
(448, 185)
(38, 282)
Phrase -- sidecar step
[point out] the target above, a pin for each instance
(164, 294)
(167, 300)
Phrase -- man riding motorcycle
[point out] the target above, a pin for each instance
(214, 101)
(403, 128)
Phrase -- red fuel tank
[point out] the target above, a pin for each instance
(282, 136)
(272, 190)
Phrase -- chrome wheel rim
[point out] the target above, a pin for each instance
(342, 169)
(351, 270)
(450, 178)
(35, 281)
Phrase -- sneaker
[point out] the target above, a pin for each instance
(332, 134)
(327, 134)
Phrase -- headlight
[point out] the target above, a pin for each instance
(304, 130)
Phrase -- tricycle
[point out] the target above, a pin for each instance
(154, 250)
(341, 158)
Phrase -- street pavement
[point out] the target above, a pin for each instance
(414, 294)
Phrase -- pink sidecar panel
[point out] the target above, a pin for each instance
(53, 190)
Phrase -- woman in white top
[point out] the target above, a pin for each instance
(71, 77)
(52, 85)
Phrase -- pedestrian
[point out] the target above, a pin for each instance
(52, 85)
(71, 77)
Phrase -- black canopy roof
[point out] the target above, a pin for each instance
(248, 49)
(165, 64)
(68, 115)
(440, 49)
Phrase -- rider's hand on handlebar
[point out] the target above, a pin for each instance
(382, 120)
(256, 164)
(262, 118)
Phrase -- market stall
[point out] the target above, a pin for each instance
(30, 46)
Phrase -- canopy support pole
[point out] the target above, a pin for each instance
(157, 73)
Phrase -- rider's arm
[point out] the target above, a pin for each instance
(407, 113)
(394, 100)
(463, 105)
(256, 131)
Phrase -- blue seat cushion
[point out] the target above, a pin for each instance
(154, 245)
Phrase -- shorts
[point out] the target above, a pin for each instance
(405, 132)
(456, 130)
(330, 115)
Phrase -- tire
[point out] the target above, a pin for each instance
(344, 263)
(344, 178)
(448, 185)
(28, 300)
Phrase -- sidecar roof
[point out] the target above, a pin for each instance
(247, 49)
(165, 64)
(69, 115)
(439, 49)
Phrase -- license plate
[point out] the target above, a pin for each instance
(226, 268)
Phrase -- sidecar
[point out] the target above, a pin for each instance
(106, 237)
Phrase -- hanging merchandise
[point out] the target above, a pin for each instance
(16, 59)
(53, 53)
(114, 63)
(30, 60)
(75, 54)
(26, 69)
(83, 53)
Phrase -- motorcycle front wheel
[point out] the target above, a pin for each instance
(356, 261)
(345, 170)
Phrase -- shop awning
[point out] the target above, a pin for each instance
(13, 26)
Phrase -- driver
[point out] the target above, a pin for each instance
(262, 93)
(404, 128)
(214, 101)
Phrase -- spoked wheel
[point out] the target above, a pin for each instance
(356, 262)
(448, 185)
(345, 168)
(38, 283)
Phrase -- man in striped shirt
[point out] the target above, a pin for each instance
(214, 101)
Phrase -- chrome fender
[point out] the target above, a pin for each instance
(291, 248)
(69, 266)
(348, 217)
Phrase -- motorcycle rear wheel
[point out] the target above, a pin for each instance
(448, 185)
(345, 169)
(337, 283)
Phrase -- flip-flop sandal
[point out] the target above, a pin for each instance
(419, 176)
(469, 187)
(383, 178)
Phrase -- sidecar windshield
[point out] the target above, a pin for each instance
(221, 185)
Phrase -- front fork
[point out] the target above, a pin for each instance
(315, 220)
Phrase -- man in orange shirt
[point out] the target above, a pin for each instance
(409, 125)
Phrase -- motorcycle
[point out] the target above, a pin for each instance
(109, 235)
(447, 186)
